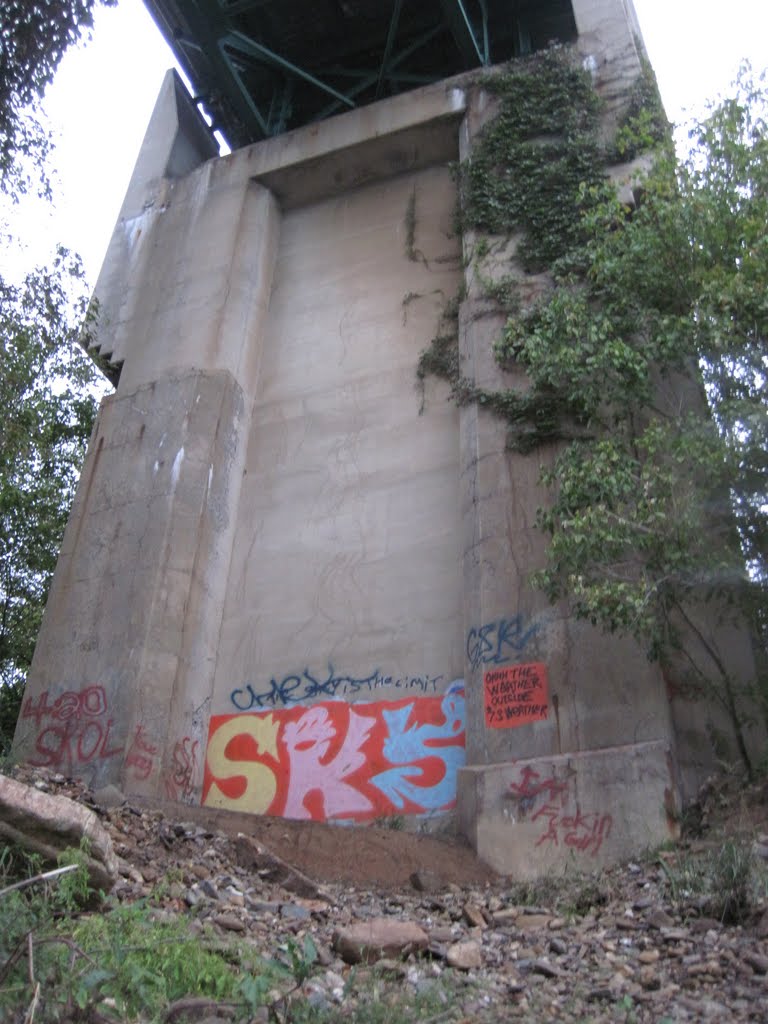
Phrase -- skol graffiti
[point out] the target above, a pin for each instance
(79, 731)
(335, 760)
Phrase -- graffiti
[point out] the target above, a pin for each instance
(307, 743)
(141, 755)
(530, 787)
(583, 832)
(498, 642)
(180, 779)
(408, 746)
(241, 752)
(338, 761)
(300, 688)
(79, 731)
(515, 695)
(88, 703)
(563, 825)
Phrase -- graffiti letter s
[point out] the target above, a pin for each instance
(261, 784)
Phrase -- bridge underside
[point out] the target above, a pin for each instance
(262, 67)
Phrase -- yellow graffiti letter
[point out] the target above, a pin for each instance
(261, 784)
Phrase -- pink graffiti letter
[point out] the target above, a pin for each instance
(307, 742)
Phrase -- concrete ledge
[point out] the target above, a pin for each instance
(376, 158)
(548, 815)
(402, 134)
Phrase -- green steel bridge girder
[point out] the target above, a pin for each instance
(229, 51)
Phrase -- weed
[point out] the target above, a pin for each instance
(302, 958)
(163, 888)
(395, 822)
(413, 254)
(590, 893)
(118, 965)
(721, 883)
(145, 963)
(540, 892)
(73, 890)
(627, 1005)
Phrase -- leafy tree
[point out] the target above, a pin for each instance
(649, 356)
(34, 35)
(46, 381)
(48, 409)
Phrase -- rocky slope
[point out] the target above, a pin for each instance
(680, 935)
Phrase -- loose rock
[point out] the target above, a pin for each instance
(47, 824)
(369, 941)
(465, 956)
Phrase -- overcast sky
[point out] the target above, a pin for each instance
(104, 92)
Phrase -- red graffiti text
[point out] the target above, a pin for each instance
(564, 823)
(179, 782)
(515, 695)
(583, 832)
(140, 759)
(73, 729)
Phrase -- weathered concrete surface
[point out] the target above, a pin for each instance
(47, 825)
(269, 496)
(348, 526)
(175, 142)
(548, 815)
(126, 652)
(294, 582)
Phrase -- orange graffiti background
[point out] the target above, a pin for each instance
(320, 761)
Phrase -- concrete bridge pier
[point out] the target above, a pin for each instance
(569, 752)
(124, 666)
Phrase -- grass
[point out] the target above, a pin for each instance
(132, 963)
(723, 883)
(124, 963)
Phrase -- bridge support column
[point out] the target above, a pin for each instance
(543, 689)
(119, 689)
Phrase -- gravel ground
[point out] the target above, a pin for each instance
(679, 935)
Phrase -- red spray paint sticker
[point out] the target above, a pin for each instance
(515, 695)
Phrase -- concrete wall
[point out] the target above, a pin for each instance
(345, 579)
(295, 583)
(268, 521)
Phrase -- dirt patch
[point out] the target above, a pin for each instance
(354, 855)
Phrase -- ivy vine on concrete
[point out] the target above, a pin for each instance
(644, 355)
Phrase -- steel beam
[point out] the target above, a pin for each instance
(206, 31)
(461, 29)
(255, 113)
(366, 83)
(242, 6)
(244, 44)
(393, 23)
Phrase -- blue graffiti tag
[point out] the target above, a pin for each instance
(298, 688)
(404, 747)
(497, 642)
